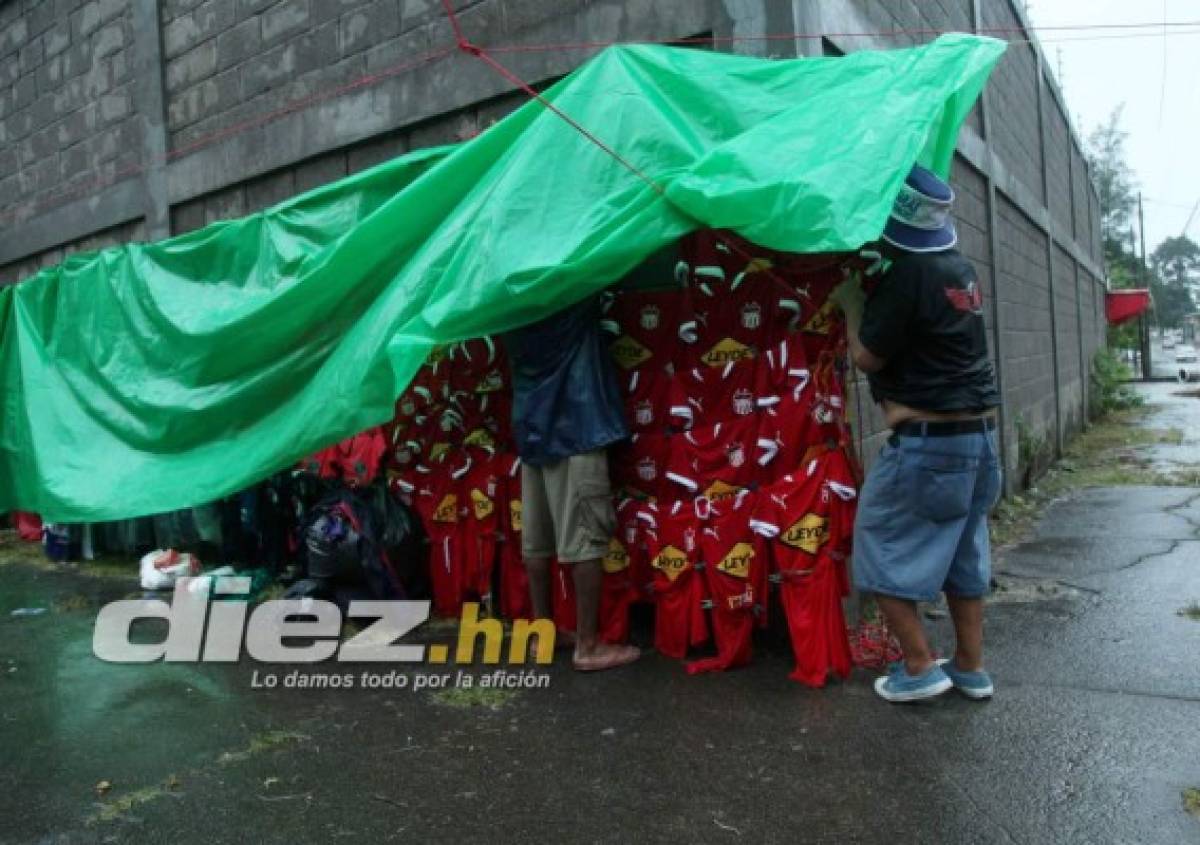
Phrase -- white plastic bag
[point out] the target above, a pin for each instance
(160, 568)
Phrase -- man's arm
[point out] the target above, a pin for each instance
(850, 298)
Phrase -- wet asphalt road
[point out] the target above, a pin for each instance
(1093, 735)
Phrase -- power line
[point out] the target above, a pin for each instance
(1108, 30)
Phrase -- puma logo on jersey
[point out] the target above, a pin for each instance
(737, 561)
(725, 352)
(670, 562)
(616, 559)
(628, 353)
(808, 533)
(447, 509)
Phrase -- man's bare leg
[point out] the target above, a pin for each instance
(968, 631)
(904, 621)
(538, 569)
(590, 653)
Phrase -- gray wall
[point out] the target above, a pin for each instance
(136, 119)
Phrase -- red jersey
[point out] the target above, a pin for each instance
(722, 458)
(478, 365)
(672, 540)
(485, 486)
(727, 393)
(646, 325)
(654, 466)
(804, 423)
(515, 600)
(655, 400)
(619, 586)
(808, 520)
(439, 499)
(735, 569)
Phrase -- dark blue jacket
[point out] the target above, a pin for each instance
(565, 395)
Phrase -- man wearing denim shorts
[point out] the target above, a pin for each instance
(922, 526)
(567, 409)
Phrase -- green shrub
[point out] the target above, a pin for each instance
(1111, 390)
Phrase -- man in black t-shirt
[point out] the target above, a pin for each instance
(922, 527)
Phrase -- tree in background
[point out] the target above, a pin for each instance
(1176, 264)
(1114, 181)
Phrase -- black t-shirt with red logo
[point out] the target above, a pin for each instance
(925, 319)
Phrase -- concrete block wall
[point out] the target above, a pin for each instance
(132, 119)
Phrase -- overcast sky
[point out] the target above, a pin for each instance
(1158, 80)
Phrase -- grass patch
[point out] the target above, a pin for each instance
(464, 699)
(1191, 611)
(1106, 455)
(1191, 801)
(260, 743)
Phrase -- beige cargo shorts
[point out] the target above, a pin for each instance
(567, 509)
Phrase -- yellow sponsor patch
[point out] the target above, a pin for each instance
(482, 506)
(447, 509)
(480, 437)
(822, 321)
(514, 514)
(616, 559)
(737, 562)
(725, 352)
(671, 562)
(720, 491)
(808, 533)
(628, 353)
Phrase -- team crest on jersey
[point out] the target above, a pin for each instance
(480, 437)
(719, 491)
(808, 533)
(407, 406)
(616, 559)
(628, 353)
(822, 321)
(447, 509)
(751, 316)
(727, 351)
(481, 504)
(647, 469)
(403, 455)
(670, 562)
(822, 413)
(743, 402)
(643, 413)
(736, 453)
(649, 317)
(737, 562)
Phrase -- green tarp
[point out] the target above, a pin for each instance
(157, 376)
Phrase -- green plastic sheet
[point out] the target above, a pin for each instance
(151, 377)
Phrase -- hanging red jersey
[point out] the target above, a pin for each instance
(672, 540)
(655, 400)
(727, 393)
(808, 518)
(515, 600)
(646, 325)
(722, 458)
(439, 500)
(654, 466)
(619, 588)
(485, 487)
(735, 569)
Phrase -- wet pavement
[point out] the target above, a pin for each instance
(1092, 738)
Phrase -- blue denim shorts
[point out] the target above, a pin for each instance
(922, 525)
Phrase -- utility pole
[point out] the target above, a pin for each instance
(1146, 368)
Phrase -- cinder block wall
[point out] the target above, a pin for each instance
(136, 119)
